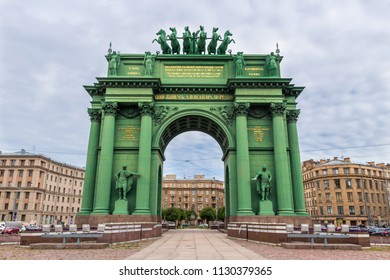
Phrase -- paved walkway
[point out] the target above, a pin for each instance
(195, 244)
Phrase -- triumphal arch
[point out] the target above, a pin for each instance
(193, 83)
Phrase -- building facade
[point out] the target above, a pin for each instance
(343, 192)
(35, 189)
(195, 193)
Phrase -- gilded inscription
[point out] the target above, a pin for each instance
(128, 133)
(210, 97)
(254, 71)
(194, 71)
(258, 133)
(133, 70)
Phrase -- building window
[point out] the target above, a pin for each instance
(338, 197)
(318, 184)
(25, 207)
(27, 195)
(340, 210)
(7, 194)
(350, 196)
(337, 183)
(346, 170)
(13, 162)
(329, 208)
(327, 197)
(3, 162)
(325, 171)
(335, 171)
(326, 184)
(356, 171)
(11, 173)
(348, 183)
(358, 183)
(352, 210)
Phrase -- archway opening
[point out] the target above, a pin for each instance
(193, 170)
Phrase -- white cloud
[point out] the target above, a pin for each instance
(338, 50)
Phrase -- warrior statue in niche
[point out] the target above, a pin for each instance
(124, 182)
(263, 182)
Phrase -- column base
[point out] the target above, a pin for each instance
(265, 208)
(141, 212)
(100, 212)
(121, 207)
(301, 213)
(245, 212)
(84, 212)
(286, 213)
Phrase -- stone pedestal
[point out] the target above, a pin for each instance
(121, 207)
(265, 208)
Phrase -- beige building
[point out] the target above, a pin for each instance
(340, 191)
(197, 193)
(37, 190)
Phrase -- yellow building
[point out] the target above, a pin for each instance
(37, 190)
(340, 191)
(197, 193)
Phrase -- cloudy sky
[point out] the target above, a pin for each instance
(338, 50)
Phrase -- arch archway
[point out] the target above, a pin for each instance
(194, 120)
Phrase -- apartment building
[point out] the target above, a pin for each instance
(192, 193)
(38, 190)
(342, 192)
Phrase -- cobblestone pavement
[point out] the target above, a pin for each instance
(123, 251)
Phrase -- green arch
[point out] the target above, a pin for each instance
(194, 120)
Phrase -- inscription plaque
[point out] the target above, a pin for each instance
(194, 71)
(258, 132)
(128, 133)
(210, 97)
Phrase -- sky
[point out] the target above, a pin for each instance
(338, 50)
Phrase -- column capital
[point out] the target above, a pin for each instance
(241, 109)
(110, 108)
(277, 109)
(146, 108)
(94, 114)
(292, 115)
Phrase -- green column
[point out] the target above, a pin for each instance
(284, 188)
(144, 160)
(90, 172)
(243, 165)
(296, 169)
(102, 196)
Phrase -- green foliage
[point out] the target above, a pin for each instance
(172, 214)
(221, 213)
(208, 214)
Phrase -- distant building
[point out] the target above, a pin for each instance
(197, 193)
(340, 191)
(36, 189)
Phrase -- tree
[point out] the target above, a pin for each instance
(221, 213)
(172, 214)
(207, 214)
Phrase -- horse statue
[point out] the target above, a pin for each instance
(162, 40)
(174, 42)
(212, 46)
(187, 41)
(201, 43)
(225, 42)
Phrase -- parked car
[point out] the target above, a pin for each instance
(381, 232)
(10, 230)
(354, 229)
(33, 228)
